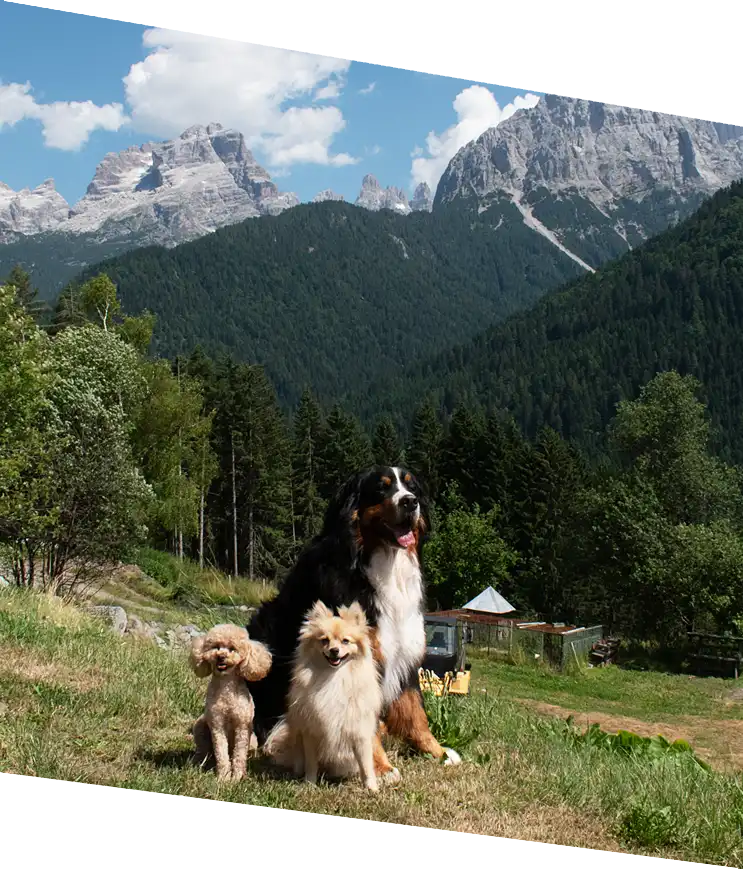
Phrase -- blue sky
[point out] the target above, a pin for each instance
(73, 88)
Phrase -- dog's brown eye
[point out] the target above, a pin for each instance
(324, 641)
(346, 641)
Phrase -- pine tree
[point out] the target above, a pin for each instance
(307, 442)
(345, 450)
(550, 477)
(386, 446)
(459, 451)
(26, 293)
(253, 502)
(423, 455)
(498, 450)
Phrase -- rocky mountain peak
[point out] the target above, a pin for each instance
(25, 212)
(375, 198)
(155, 193)
(327, 196)
(422, 198)
(602, 151)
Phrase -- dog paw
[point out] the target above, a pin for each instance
(391, 777)
(451, 757)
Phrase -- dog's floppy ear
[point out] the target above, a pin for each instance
(256, 661)
(198, 664)
(424, 501)
(354, 614)
(342, 514)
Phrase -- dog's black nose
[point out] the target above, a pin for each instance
(333, 653)
(409, 502)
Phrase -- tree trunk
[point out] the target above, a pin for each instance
(294, 522)
(180, 470)
(201, 510)
(201, 531)
(251, 541)
(234, 510)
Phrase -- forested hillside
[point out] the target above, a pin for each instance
(675, 303)
(103, 449)
(331, 296)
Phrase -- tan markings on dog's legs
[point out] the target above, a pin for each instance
(382, 764)
(407, 719)
(240, 752)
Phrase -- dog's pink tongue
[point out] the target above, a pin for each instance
(406, 539)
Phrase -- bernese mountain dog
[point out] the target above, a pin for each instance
(369, 550)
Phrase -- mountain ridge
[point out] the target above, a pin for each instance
(676, 302)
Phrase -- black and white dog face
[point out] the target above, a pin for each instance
(382, 506)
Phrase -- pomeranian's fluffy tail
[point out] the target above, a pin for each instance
(281, 745)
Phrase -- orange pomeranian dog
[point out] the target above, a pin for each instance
(334, 702)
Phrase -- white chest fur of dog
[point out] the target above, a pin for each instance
(397, 581)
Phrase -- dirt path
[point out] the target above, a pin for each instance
(719, 741)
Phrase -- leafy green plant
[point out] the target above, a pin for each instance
(654, 748)
(446, 718)
(649, 827)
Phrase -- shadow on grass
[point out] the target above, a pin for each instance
(173, 758)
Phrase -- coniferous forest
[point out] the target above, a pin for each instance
(580, 456)
(676, 302)
(330, 295)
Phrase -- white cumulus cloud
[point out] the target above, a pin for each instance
(369, 88)
(188, 79)
(477, 110)
(65, 125)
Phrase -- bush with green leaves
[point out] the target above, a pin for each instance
(466, 552)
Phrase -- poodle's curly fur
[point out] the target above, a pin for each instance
(225, 730)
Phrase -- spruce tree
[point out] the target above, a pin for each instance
(252, 507)
(459, 451)
(345, 450)
(26, 293)
(550, 478)
(386, 446)
(307, 442)
(423, 455)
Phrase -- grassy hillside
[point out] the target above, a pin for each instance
(81, 704)
(676, 302)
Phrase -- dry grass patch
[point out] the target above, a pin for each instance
(32, 667)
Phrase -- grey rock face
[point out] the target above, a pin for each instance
(156, 193)
(327, 196)
(114, 616)
(422, 198)
(603, 152)
(374, 197)
(594, 179)
(27, 212)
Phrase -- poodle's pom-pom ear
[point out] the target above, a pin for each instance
(354, 614)
(256, 661)
(198, 664)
